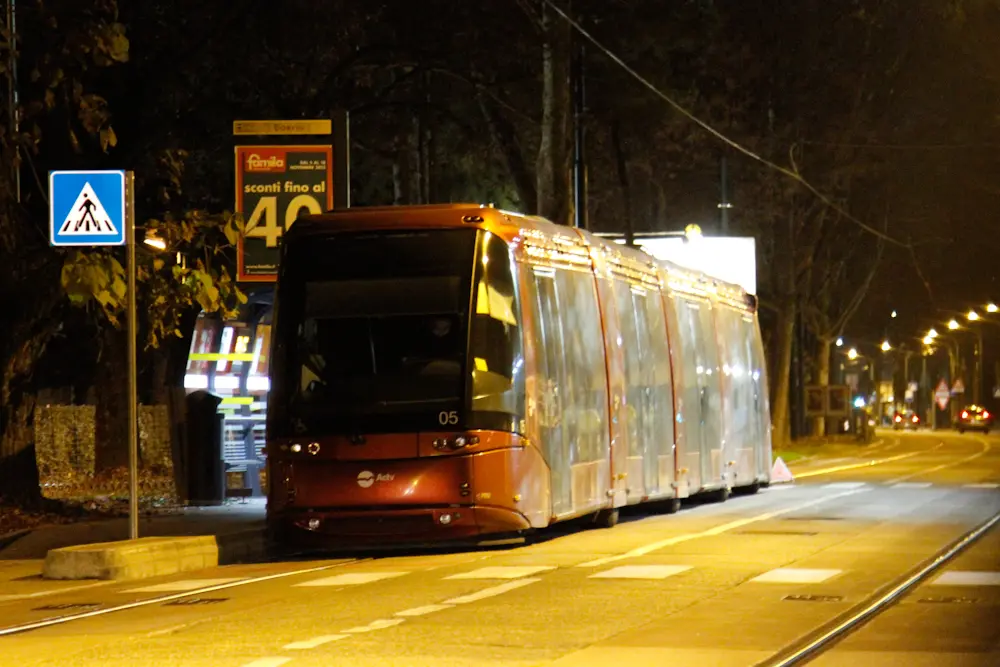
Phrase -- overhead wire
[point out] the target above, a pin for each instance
(790, 173)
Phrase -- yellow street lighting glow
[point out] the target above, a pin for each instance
(973, 316)
(928, 339)
(932, 334)
(156, 242)
(840, 341)
(953, 325)
(991, 308)
(885, 346)
(852, 353)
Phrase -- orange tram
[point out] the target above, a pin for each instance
(458, 372)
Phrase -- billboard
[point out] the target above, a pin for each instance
(274, 186)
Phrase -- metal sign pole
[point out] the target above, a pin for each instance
(133, 391)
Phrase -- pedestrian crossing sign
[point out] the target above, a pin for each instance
(86, 208)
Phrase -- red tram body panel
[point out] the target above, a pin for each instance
(453, 372)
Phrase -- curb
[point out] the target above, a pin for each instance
(8, 539)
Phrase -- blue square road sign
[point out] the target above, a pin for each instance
(86, 208)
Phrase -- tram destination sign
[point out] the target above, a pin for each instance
(274, 186)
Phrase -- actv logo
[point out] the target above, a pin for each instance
(273, 162)
(366, 478)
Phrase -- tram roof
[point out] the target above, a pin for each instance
(507, 224)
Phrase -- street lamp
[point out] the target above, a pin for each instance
(953, 324)
(972, 316)
(932, 334)
(886, 346)
(840, 341)
(852, 354)
(893, 314)
(991, 308)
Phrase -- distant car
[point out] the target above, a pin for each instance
(974, 418)
(904, 420)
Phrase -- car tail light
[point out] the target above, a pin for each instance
(965, 414)
(986, 414)
(898, 418)
(915, 419)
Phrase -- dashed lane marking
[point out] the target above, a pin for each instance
(423, 611)
(314, 642)
(503, 572)
(852, 466)
(641, 572)
(796, 575)
(491, 592)
(267, 662)
(380, 624)
(845, 485)
(718, 530)
(951, 464)
(912, 485)
(352, 579)
(968, 578)
(182, 585)
(983, 485)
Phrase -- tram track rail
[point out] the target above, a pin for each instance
(829, 635)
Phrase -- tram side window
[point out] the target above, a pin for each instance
(659, 367)
(633, 347)
(586, 391)
(496, 348)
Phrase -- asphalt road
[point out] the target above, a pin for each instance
(716, 584)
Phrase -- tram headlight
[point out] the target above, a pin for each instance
(444, 519)
(460, 442)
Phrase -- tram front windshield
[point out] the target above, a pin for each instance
(372, 331)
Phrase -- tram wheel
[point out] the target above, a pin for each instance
(747, 490)
(720, 495)
(606, 518)
(672, 506)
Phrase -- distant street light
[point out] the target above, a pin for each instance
(991, 308)
(840, 341)
(973, 316)
(886, 346)
(893, 314)
(852, 353)
(953, 325)
(932, 334)
(928, 339)
(155, 241)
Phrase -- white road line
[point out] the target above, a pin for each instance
(490, 592)
(982, 485)
(163, 598)
(314, 642)
(986, 449)
(912, 485)
(41, 594)
(718, 530)
(641, 572)
(502, 572)
(967, 578)
(352, 579)
(267, 662)
(795, 575)
(845, 485)
(852, 466)
(182, 585)
(422, 611)
(380, 624)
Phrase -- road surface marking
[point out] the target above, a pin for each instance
(967, 578)
(986, 449)
(315, 641)
(267, 662)
(491, 592)
(718, 530)
(352, 579)
(641, 572)
(421, 611)
(182, 585)
(983, 485)
(502, 572)
(40, 594)
(912, 485)
(845, 485)
(380, 624)
(852, 466)
(796, 575)
(14, 629)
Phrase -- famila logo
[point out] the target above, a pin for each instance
(273, 162)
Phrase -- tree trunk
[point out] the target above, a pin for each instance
(823, 380)
(18, 466)
(111, 427)
(783, 372)
(554, 184)
(506, 140)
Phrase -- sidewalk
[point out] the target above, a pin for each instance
(238, 529)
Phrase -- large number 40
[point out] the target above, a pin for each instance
(263, 222)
